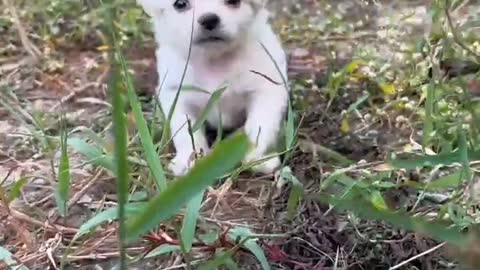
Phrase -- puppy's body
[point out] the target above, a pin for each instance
(230, 55)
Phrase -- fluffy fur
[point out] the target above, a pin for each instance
(237, 61)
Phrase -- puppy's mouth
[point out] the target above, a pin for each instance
(211, 39)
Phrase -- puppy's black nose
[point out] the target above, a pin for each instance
(209, 21)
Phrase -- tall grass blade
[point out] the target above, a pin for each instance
(63, 186)
(151, 155)
(212, 101)
(121, 164)
(428, 122)
(16, 190)
(120, 134)
(296, 193)
(202, 175)
(190, 220)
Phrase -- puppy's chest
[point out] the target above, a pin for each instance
(212, 78)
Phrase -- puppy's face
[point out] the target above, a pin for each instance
(216, 23)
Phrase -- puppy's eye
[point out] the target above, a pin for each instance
(181, 5)
(233, 3)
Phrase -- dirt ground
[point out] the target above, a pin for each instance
(321, 37)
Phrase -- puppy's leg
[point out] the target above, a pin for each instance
(186, 145)
(265, 114)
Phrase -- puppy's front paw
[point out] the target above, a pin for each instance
(263, 165)
(182, 163)
(179, 166)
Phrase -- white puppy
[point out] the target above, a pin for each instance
(218, 43)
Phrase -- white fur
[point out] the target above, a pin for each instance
(248, 95)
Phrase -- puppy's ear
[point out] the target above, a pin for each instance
(154, 7)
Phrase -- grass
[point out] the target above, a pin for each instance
(381, 166)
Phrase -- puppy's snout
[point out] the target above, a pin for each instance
(209, 21)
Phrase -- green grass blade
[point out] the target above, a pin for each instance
(419, 161)
(230, 264)
(7, 258)
(121, 164)
(63, 186)
(107, 216)
(95, 155)
(212, 101)
(463, 153)
(355, 201)
(162, 250)
(151, 155)
(449, 181)
(290, 132)
(190, 220)
(17, 188)
(296, 193)
(428, 122)
(244, 235)
(202, 175)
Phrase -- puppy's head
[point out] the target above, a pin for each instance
(216, 23)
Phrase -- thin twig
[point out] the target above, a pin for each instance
(455, 35)
(72, 94)
(53, 228)
(32, 50)
(75, 198)
(417, 256)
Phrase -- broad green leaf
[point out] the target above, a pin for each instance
(212, 102)
(107, 216)
(377, 200)
(420, 161)
(205, 172)
(138, 196)
(241, 234)
(63, 186)
(162, 250)
(190, 220)
(8, 259)
(296, 193)
(95, 155)
(92, 135)
(209, 238)
(17, 188)
(449, 181)
(357, 103)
